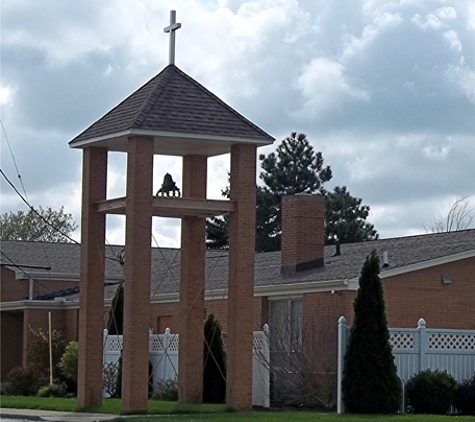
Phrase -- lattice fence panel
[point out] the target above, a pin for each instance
(441, 341)
(114, 344)
(156, 344)
(257, 343)
(174, 343)
(404, 341)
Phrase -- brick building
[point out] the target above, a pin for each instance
(308, 285)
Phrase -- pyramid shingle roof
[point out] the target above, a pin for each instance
(173, 102)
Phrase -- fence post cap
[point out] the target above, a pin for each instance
(421, 323)
(105, 332)
(265, 328)
(167, 330)
(342, 320)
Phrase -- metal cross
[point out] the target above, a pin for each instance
(171, 29)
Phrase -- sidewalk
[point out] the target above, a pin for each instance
(51, 415)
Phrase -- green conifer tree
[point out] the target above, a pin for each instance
(370, 381)
(115, 326)
(214, 367)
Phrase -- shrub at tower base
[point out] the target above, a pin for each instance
(370, 381)
(214, 367)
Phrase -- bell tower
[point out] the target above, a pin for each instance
(172, 114)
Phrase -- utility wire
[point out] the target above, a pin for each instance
(13, 158)
(30, 277)
(45, 220)
(36, 212)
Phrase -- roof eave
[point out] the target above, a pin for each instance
(172, 143)
(422, 265)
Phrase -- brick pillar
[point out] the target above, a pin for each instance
(138, 231)
(192, 281)
(91, 299)
(242, 228)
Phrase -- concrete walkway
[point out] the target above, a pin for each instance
(51, 415)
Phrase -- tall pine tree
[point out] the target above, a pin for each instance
(295, 167)
(370, 381)
(345, 220)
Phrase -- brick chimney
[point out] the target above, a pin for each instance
(303, 232)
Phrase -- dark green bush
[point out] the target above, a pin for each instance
(69, 361)
(55, 390)
(465, 397)
(431, 392)
(166, 390)
(214, 367)
(24, 381)
(38, 350)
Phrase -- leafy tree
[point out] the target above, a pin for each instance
(345, 220)
(69, 361)
(370, 381)
(46, 225)
(295, 167)
(214, 367)
(38, 350)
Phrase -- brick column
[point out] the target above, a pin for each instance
(138, 230)
(242, 228)
(91, 296)
(192, 281)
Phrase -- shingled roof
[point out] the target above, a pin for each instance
(403, 252)
(173, 102)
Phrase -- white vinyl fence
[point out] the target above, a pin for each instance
(418, 349)
(163, 350)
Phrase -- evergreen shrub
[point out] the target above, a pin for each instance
(431, 392)
(55, 390)
(166, 390)
(24, 381)
(370, 381)
(464, 399)
(214, 367)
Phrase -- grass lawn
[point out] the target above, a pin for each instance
(172, 411)
(295, 416)
(108, 405)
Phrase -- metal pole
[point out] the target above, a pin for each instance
(50, 352)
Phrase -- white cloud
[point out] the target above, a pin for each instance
(446, 13)
(464, 77)
(356, 45)
(324, 85)
(454, 42)
(429, 21)
(370, 84)
(7, 94)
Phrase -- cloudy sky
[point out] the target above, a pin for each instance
(385, 89)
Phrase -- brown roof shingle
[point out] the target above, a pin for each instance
(172, 101)
(402, 251)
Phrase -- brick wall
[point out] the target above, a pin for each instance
(216, 307)
(303, 232)
(11, 341)
(422, 294)
(11, 289)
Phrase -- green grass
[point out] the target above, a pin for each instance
(108, 406)
(285, 416)
(172, 411)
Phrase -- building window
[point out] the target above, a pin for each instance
(286, 326)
